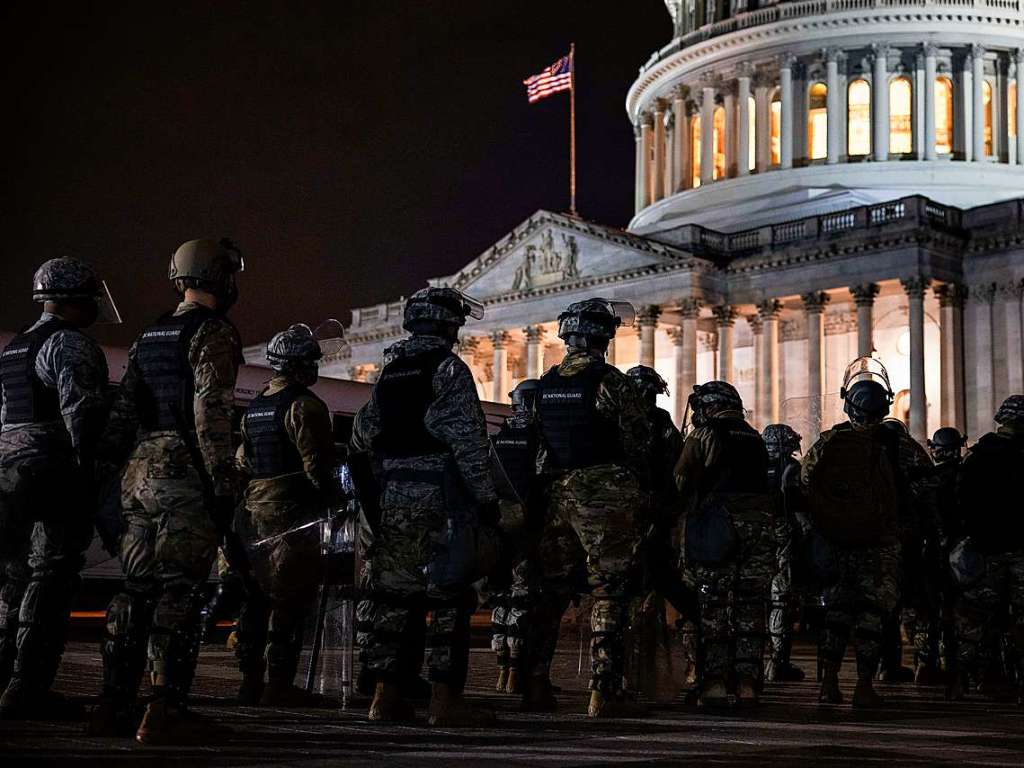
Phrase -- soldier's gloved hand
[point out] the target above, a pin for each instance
(224, 512)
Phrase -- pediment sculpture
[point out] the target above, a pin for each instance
(544, 264)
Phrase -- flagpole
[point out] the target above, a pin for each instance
(572, 129)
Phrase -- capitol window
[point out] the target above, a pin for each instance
(943, 116)
(986, 107)
(1011, 95)
(901, 132)
(718, 145)
(817, 121)
(775, 136)
(751, 133)
(858, 101)
(695, 151)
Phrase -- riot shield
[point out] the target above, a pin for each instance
(656, 664)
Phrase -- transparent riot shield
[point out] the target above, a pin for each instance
(657, 669)
(804, 416)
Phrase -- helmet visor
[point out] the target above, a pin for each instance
(107, 313)
(330, 335)
(473, 307)
(623, 310)
(236, 262)
(866, 369)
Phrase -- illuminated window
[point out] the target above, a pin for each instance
(775, 135)
(1011, 95)
(751, 133)
(817, 121)
(943, 115)
(695, 150)
(986, 108)
(858, 130)
(901, 132)
(718, 145)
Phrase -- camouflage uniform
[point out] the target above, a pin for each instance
(46, 514)
(607, 511)
(170, 539)
(785, 606)
(722, 464)
(288, 569)
(421, 495)
(865, 591)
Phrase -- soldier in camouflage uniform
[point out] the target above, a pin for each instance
(425, 431)
(288, 452)
(783, 442)
(988, 494)
(53, 412)
(594, 460)
(723, 478)
(851, 494)
(180, 377)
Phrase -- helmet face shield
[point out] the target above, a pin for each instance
(330, 335)
(106, 309)
(866, 368)
(472, 307)
(623, 310)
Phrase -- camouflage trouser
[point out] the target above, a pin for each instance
(733, 602)
(167, 551)
(865, 593)
(45, 526)
(982, 613)
(603, 507)
(508, 616)
(782, 614)
(288, 571)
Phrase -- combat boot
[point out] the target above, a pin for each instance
(864, 695)
(163, 723)
(388, 706)
(449, 710)
(746, 692)
(899, 674)
(503, 673)
(613, 705)
(538, 695)
(512, 685)
(783, 672)
(713, 694)
(112, 718)
(829, 692)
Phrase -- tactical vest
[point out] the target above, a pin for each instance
(28, 400)
(268, 448)
(516, 449)
(743, 462)
(576, 435)
(990, 482)
(166, 379)
(404, 392)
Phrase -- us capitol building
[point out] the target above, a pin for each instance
(815, 180)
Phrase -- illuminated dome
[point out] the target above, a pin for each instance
(821, 105)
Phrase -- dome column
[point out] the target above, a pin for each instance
(707, 130)
(680, 139)
(743, 137)
(880, 104)
(658, 192)
(725, 317)
(786, 63)
(638, 196)
(762, 123)
(977, 106)
(915, 288)
(646, 138)
(814, 307)
(1020, 106)
(835, 104)
(930, 52)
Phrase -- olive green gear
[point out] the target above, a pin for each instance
(206, 260)
(65, 278)
(595, 318)
(1011, 411)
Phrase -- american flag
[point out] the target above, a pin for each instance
(557, 77)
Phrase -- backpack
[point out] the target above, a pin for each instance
(852, 494)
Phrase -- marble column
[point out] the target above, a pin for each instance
(707, 129)
(864, 298)
(769, 311)
(951, 360)
(658, 190)
(647, 325)
(915, 288)
(1010, 306)
(684, 339)
(835, 105)
(725, 318)
(468, 347)
(762, 125)
(977, 99)
(965, 108)
(880, 103)
(814, 307)
(680, 139)
(1020, 106)
(640, 182)
(756, 330)
(499, 392)
(729, 102)
(930, 52)
(980, 363)
(534, 351)
(646, 139)
(743, 137)
(610, 356)
(786, 62)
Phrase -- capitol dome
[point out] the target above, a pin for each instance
(759, 112)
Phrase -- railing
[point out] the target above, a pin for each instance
(788, 232)
(880, 214)
(745, 241)
(838, 222)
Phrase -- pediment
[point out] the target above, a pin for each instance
(552, 250)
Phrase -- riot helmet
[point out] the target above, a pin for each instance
(781, 440)
(68, 280)
(1011, 412)
(648, 383)
(440, 312)
(592, 323)
(866, 391)
(524, 395)
(296, 353)
(895, 426)
(713, 400)
(208, 265)
(946, 445)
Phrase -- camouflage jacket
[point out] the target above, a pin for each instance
(214, 355)
(74, 365)
(455, 418)
(308, 426)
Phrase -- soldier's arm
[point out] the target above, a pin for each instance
(215, 355)
(81, 376)
(308, 424)
(457, 419)
(123, 423)
(617, 400)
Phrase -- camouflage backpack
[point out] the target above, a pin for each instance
(852, 494)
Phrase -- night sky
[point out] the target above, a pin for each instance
(352, 149)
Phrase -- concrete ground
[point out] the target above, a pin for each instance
(916, 727)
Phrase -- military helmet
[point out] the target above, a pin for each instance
(524, 394)
(866, 390)
(210, 265)
(293, 348)
(947, 437)
(1011, 411)
(715, 399)
(429, 309)
(896, 426)
(781, 439)
(65, 278)
(595, 319)
(648, 380)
